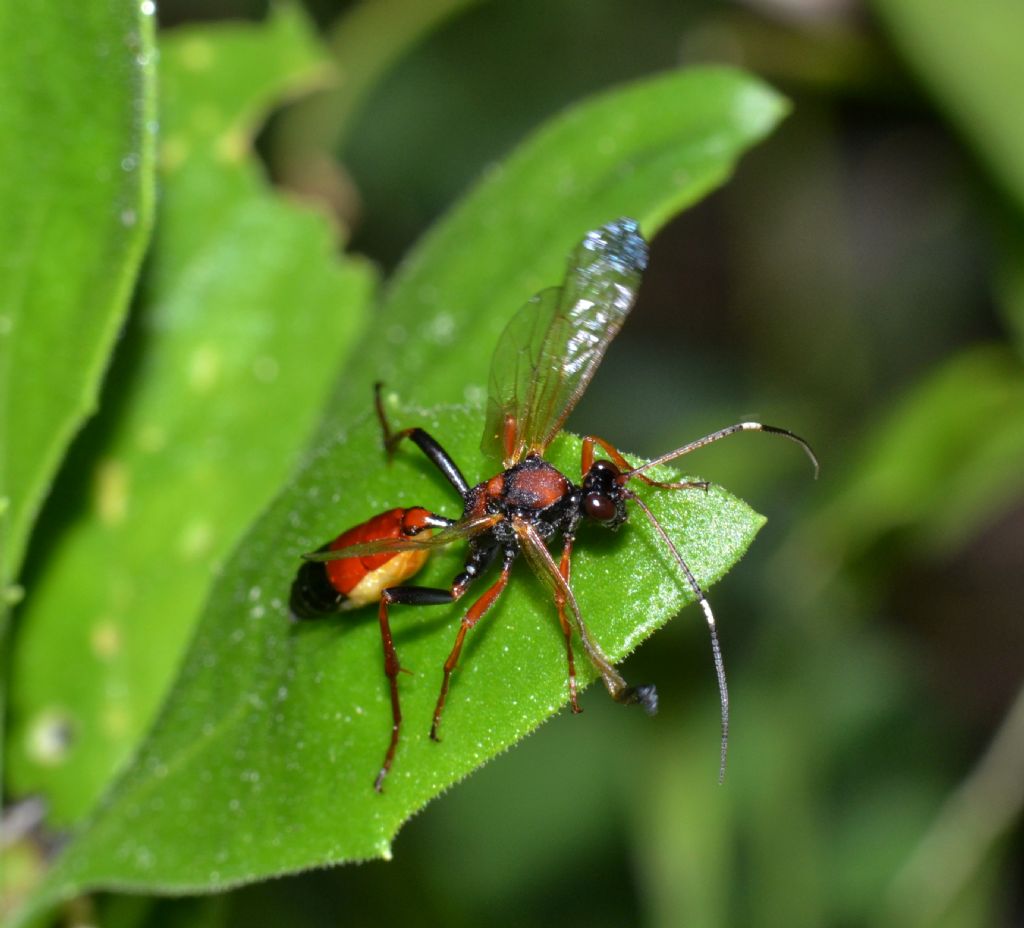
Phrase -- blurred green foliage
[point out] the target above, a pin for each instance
(860, 281)
(176, 473)
(78, 202)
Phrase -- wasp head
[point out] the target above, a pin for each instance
(604, 498)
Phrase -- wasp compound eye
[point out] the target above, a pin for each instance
(600, 507)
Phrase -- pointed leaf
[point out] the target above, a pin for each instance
(264, 758)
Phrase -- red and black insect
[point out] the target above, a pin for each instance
(543, 362)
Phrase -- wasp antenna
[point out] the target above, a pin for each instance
(786, 433)
(709, 616)
(723, 688)
(724, 433)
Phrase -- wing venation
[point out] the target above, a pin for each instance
(551, 348)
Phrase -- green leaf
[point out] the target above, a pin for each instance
(968, 54)
(76, 194)
(245, 317)
(275, 731)
(264, 757)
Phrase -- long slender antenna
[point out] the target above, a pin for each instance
(723, 433)
(716, 650)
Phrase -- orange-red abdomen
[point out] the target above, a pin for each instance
(357, 577)
(322, 587)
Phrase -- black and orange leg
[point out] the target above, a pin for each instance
(425, 442)
(410, 596)
(565, 568)
(477, 562)
(476, 612)
(587, 458)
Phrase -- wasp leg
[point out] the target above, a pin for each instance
(429, 445)
(478, 560)
(475, 613)
(565, 569)
(411, 596)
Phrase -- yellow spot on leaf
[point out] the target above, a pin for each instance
(116, 721)
(232, 147)
(204, 369)
(111, 491)
(151, 438)
(173, 152)
(196, 539)
(196, 54)
(105, 639)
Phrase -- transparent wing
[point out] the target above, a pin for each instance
(465, 528)
(513, 367)
(551, 348)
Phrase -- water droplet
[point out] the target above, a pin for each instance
(128, 217)
(50, 737)
(441, 328)
(129, 162)
(147, 7)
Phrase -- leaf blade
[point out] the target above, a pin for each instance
(181, 460)
(77, 199)
(296, 742)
